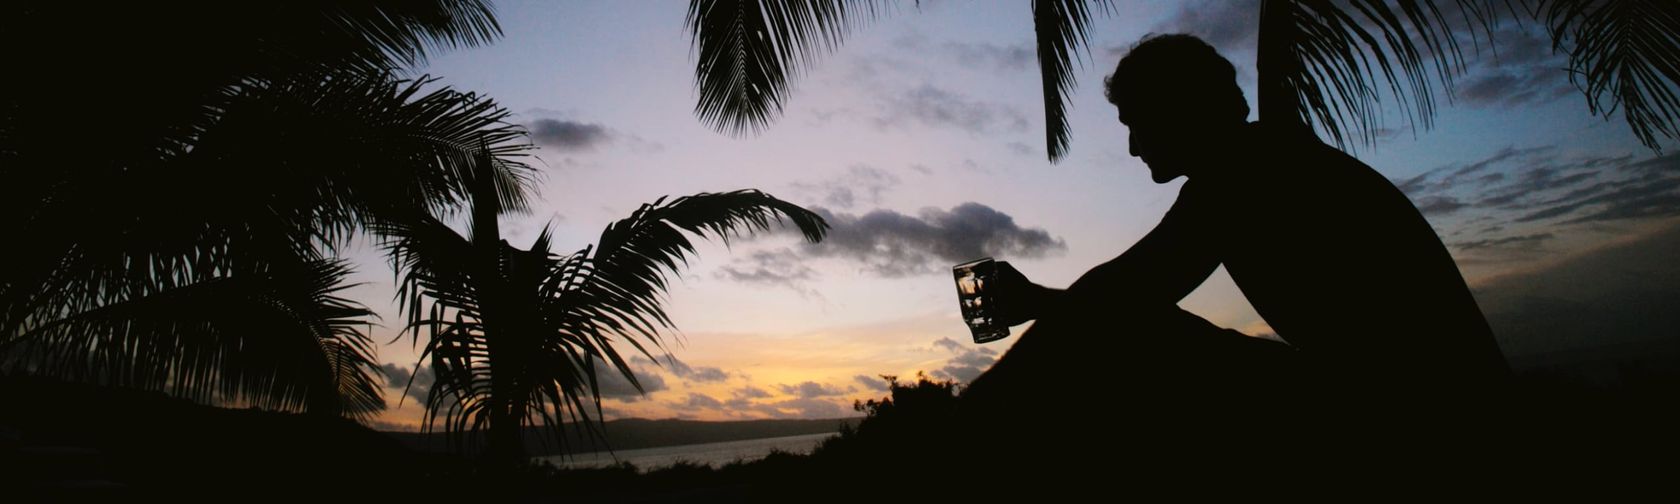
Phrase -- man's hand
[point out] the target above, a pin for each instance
(1018, 299)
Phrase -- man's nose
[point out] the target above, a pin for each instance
(1132, 144)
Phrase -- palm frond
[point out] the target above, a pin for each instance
(516, 336)
(1320, 61)
(750, 51)
(1625, 54)
(278, 338)
(1061, 26)
(297, 164)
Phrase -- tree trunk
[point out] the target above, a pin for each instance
(1279, 66)
(506, 443)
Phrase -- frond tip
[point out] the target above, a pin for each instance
(1624, 57)
(1061, 26)
(749, 52)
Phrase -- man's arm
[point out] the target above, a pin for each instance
(1160, 269)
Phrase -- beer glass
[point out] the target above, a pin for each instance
(978, 308)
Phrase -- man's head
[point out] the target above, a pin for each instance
(1177, 96)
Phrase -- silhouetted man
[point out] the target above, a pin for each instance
(1334, 257)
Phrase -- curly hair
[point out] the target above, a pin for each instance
(1176, 73)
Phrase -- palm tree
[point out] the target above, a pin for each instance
(515, 335)
(1319, 60)
(241, 154)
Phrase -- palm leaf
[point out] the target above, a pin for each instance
(516, 336)
(1061, 26)
(316, 158)
(750, 51)
(277, 338)
(1320, 61)
(1625, 56)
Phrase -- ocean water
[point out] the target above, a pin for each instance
(712, 454)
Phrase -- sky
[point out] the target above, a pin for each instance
(921, 140)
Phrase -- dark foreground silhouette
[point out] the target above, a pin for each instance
(80, 443)
(1383, 335)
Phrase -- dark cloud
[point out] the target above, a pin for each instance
(1518, 69)
(811, 389)
(948, 344)
(935, 107)
(1540, 185)
(696, 401)
(1439, 205)
(803, 407)
(966, 363)
(701, 374)
(613, 385)
(398, 377)
(1224, 24)
(1523, 241)
(682, 370)
(778, 268)
(1445, 178)
(808, 407)
(395, 376)
(860, 184)
(875, 383)
(1652, 191)
(751, 392)
(1021, 148)
(964, 374)
(568, 135)
(1521, 70)
(895, 245)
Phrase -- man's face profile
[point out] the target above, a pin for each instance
(1162, 144)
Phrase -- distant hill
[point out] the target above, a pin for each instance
(1597, 316)
(634, 433)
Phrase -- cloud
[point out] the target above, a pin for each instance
(1522, 71)
(892, 244)
(810, 407)
(860, 183)
(1633, 190)
(613, 385)
(1224, 24)
(801, 407)
(1439, 205)
(395, 376)
(398, 377)
(966, 363)
(684, 371)
(1519, 69)
(696, 401)
(751, 392)
(568, 135)
(934, 107)
(778, 268)
(1641, 198)
(875, 383)
(948, 344)
(1523, 241)
(811, 389)
(1021, 148)
(1539, 185)
(1448, 177)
